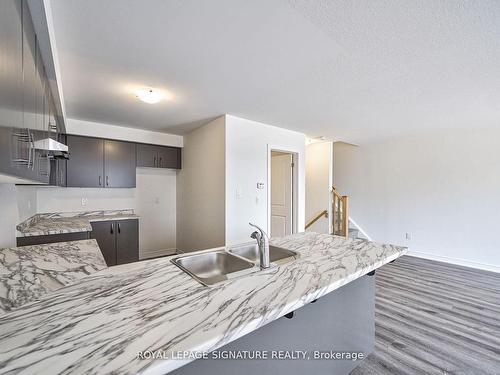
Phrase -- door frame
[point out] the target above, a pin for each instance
(295, 183)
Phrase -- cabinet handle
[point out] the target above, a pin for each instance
(112, 228)
(107, 180)
(119, 228)
(100, 180)
(160, 165)
(32, 139)
(154, 161)
(31, 150)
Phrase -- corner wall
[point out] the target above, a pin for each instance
(442, 189)
(201, 189)
(247, 153)
(319, 169)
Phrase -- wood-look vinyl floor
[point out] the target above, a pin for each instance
(435, 318)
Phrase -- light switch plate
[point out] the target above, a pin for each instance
(260, 185)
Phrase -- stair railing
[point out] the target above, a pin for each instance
(340, 213)
(316, 218)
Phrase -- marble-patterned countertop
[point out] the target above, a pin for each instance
(29, 272)
(99, 325)
(68, 222)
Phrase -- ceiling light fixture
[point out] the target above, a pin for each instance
(149, 95)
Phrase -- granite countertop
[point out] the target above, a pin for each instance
(29, 272)
(99, 325)
(68, 222)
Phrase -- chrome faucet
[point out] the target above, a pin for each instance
(263, 242)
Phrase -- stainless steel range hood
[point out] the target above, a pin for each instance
(48, 144)
(56, 150)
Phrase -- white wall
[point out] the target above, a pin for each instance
(97, 129)
(201, 189)
(247, 158)
(54, 199)
(8, 215)
(443, 189)
(319, 169)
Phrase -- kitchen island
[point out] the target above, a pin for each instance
(100, 324)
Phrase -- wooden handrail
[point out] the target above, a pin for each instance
(316, 218)
(340, 216)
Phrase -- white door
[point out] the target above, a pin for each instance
(281, 194)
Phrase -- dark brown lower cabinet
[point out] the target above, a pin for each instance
(118, 240)
(104, 233)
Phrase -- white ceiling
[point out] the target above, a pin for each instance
(353, 70)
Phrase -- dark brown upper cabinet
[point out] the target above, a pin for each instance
(119, 164)
(96, 162)
(158, 156)
(85, 167)
(11, 67)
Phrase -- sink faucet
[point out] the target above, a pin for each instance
(263, 242)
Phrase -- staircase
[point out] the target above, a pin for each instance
(341, 225)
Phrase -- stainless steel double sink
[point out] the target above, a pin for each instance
(214, 266)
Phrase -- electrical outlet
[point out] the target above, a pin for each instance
(408, 236)
(84, 202)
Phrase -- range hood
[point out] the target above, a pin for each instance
(48, 144)
(56, 149)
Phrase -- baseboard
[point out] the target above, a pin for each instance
(157, 253)
(456, 261)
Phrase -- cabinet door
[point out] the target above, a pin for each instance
(85, 165)
(57, 172)
(29, 70)
(104, 233)
(127, 241)
(39, 88)
(119, 164)
(169, 157)
(147, 156)
(11, 63)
